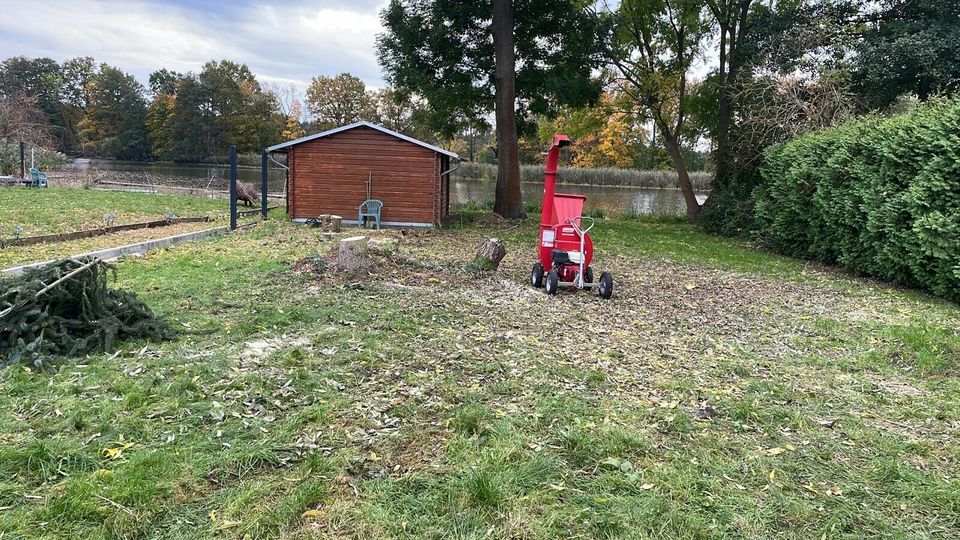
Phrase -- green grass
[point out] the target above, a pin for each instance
(57, 210)
(722, 393)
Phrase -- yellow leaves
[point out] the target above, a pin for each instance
(99, 473)
(115, 452)
(312, 514)
(773, 475)
(225, 524)
(834, 491)
(776, 451)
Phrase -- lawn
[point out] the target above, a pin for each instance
(57, 210)
(722, 393)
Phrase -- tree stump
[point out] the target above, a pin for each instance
(335, 222)
(490, 253)
(352, 254)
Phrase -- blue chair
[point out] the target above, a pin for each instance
(370, 209)
(39, 179)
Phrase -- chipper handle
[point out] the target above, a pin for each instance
(577, 226)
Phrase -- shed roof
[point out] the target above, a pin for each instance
(381, 129)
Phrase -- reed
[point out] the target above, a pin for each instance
(649, 179)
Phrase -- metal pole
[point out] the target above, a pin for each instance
(263, 184)
(23, 172)
(233, 187)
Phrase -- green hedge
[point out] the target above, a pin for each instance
(879, 196)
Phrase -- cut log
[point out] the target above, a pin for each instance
(335, 222)
(490, 253)
(352, 254)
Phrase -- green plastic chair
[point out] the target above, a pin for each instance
(370, 209)
(39, 179)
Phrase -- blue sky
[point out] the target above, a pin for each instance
(283, 42)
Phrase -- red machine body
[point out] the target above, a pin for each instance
(557, 211)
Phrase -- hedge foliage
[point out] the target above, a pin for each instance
(877, 195)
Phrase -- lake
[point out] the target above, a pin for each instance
(612, 200)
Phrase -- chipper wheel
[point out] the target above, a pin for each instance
(552, 283)
(588, 275)
(536, 275)
(606, 285)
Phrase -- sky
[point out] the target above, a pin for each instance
(282, 42)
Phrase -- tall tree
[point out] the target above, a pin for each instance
(164, 81)
(468, 58)
(910, 46)
(732, 18)
(41, 80)
(655, 44)
(508, 201)
(22, 120)
(293, 128)
(401, 111)
(114, 122)
(336, 101)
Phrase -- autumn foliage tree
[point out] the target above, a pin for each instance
(293, 128)
(337, 101)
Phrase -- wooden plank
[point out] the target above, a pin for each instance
(89, 233)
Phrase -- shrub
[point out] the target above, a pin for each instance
(879, 196)
(43, 159)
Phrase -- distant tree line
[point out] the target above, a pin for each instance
(79, 107)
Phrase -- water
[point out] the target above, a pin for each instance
(612, 200)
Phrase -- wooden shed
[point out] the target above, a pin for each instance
(334, 171)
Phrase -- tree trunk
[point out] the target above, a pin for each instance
(721, 155)
(683, 176)
(508, 202)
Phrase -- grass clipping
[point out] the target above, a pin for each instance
(66, 309)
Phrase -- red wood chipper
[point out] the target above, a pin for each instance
(564, 243)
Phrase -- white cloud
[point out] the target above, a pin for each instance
(285, 42)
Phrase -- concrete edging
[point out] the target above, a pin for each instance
(129, 249)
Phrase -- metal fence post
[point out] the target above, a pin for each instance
(23, 172)
(263, 184)
(233, 187)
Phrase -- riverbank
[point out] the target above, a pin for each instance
(722, 392)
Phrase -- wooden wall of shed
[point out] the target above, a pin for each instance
(329, 175)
